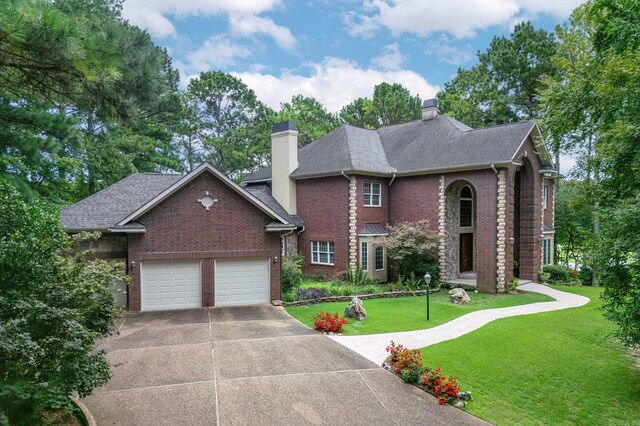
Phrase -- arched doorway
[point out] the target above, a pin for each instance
(460, 229)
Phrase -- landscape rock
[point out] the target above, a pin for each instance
(459, 296)
(355, 309)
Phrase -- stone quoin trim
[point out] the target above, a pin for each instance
(442, 230)
(353, 216)
(501, 232)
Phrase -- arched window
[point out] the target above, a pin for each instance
(466, 207)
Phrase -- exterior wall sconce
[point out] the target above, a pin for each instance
(275, 259)
(133, 265)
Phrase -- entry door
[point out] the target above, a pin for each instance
(466, 252)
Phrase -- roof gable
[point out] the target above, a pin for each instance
(205, 167)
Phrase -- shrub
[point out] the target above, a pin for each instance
(354, 276)
(513, 283)
(412, 374)
(446, 390)
(586, 276)
(559, 274)
(402, 358)
(290, 296)
(310, 293)
(292, 272)
(318, 275)
(409, 245)
(53, 309)
(328, 322)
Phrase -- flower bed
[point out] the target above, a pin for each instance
(328, 322)
(408, 364)
(390, 294)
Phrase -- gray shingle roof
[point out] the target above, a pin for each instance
(421, 146)
(263, 193)
(415, 147)
(106, 208)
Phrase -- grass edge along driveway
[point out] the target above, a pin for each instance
(410, 313)
(559, 367)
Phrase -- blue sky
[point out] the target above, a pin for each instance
(334, 51)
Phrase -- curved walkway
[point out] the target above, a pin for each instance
(373, 346)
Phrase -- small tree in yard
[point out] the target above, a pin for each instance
(53, 308)
(410, 246)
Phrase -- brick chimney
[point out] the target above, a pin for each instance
(429, 109)
(284, 160)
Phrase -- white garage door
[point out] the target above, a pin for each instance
(170, 285)
(242, 282)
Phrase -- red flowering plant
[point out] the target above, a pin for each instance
(328, 322)
(406, 362)
(446, 390)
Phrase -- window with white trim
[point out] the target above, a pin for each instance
(466, 207)
(364, 256)
(545, 196)
(372, 194)
(322, 252)
(379, 258)
(546, 252)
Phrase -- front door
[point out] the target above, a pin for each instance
(466, 252)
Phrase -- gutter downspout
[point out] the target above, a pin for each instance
(345, 175)
(493, 167)
(392, 179)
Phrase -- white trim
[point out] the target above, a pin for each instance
(539, 147)
(366, 257)
(383, 258)
(127, 231)
(329, 252)
(371, 193)
(188, 178)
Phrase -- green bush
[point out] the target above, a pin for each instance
(513, 283)
(586, 276)
(559, 274)
(292, 272)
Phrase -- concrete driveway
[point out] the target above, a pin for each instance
(249, 365)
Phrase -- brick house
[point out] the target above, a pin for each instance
(487, 192)
(202, 240)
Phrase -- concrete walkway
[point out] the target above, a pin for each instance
(373, 346)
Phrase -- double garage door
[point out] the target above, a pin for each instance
(178, 284)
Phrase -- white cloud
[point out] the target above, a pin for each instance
(217, 52)
(247, 25)
(151, 14)
(445, 52)
(335, 82)
(391, 59)
(461, 18)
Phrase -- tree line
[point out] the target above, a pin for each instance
(87, 98)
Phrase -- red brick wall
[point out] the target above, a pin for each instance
(529, 216)
(417, 197)
(414, 198)
(180, 228)
(323, 204)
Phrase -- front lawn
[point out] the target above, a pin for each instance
(551, 368)
(409, 313)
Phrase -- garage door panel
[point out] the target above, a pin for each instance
(171, 285)
(242, 282)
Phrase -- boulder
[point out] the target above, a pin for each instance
(459, 296)
(355, 309)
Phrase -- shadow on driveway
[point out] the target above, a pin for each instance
(249, 365)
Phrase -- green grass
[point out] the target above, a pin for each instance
(551, 368)
(409, 313)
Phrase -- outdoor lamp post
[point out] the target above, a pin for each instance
(427, 279)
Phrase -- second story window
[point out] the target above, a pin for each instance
(545, 197)
(372, 194)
